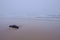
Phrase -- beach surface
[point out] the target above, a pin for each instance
(30, 29)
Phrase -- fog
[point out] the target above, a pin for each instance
(36, 19)
(29, 8)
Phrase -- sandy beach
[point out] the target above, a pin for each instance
(30, 29)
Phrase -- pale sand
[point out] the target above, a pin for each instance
(29, 29)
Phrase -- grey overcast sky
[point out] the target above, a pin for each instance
(29, 8)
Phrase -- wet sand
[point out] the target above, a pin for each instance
(30, 29)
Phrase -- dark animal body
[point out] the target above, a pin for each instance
(14, 26)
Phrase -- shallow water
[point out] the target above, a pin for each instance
(30, 29)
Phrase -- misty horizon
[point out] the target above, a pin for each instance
(31, 8)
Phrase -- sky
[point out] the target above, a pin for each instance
(29, 8)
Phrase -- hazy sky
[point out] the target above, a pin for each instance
(29, 8)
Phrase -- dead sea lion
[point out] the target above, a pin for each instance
(14, 26)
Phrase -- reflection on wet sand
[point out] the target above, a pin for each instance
(31, 29)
